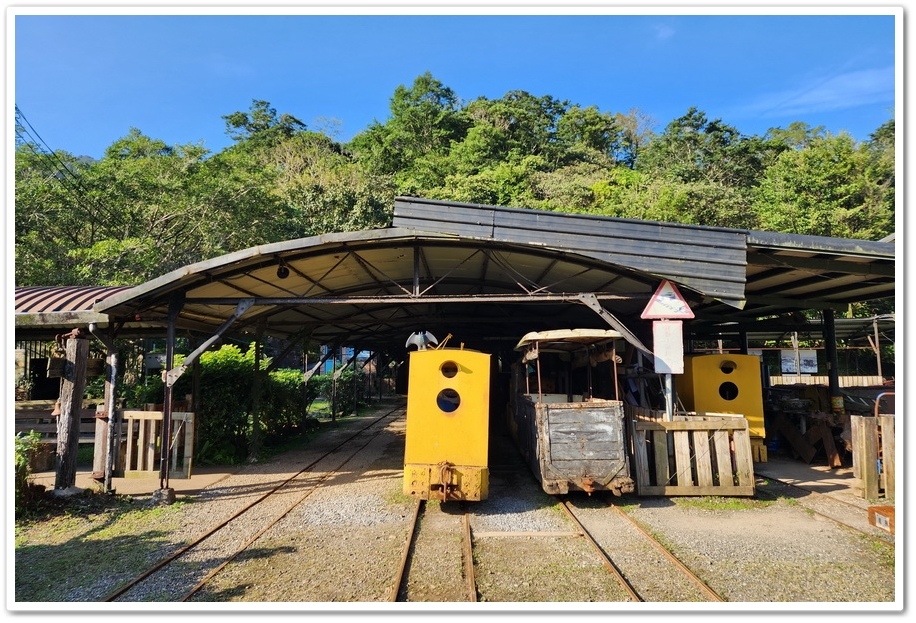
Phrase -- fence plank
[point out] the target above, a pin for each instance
(682, 457)
(888, 454)
(703, 460)
(865, 453)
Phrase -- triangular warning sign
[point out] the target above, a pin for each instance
(667, 302)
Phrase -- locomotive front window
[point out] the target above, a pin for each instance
(728, 367)
(448, 400)
(728, 390)
(449, 369)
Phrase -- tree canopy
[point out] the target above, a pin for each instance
(147, 207)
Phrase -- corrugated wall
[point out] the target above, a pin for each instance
(710, 260)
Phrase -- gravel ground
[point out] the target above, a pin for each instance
(341, 545)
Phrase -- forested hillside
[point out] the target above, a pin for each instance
(146, 208)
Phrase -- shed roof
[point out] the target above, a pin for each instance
(482, 273)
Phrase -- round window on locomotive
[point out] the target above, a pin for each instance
(448, 400)
(728, 390)
(449, 369)
(728, 367)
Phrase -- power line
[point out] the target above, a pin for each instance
(26, 135)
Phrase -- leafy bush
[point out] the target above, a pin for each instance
(224, 403)
(347, 398)
(225, 422)
(27, 445)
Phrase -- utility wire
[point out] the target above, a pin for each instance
(27, 135)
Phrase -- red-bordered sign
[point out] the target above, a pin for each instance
(667, 302)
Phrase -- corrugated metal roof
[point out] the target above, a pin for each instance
(34, 299)
(711, 260)
(43, 311)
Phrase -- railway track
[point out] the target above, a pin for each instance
(587, 548)
(621, 534)
(254, 519)
(402, 587)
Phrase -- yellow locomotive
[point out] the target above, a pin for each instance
(448, 396)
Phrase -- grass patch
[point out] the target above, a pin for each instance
(885, 551)
(86, 540)
(718, 503)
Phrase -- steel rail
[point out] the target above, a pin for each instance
(773, 496)
(394, 593)
(183, 550)
(274, 521)
(608, 563)
(703, 586)
(468, 555)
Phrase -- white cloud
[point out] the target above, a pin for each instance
(838, 92)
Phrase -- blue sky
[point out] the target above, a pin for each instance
(83, 80)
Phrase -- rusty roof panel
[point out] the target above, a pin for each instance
(40, 299)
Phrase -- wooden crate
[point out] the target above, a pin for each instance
(697, 454)
(881, 517)
(143, 433)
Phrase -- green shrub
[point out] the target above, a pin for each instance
(225, 401)
(27, 445)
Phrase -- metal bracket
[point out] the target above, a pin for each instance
(591, 301)
(172, 376)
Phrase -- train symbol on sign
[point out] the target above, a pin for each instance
(666, 303)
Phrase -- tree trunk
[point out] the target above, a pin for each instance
(71, 410)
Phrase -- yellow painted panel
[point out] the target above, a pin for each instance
(448, 398)
(724, 383)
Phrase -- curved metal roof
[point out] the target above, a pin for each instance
(372, 289)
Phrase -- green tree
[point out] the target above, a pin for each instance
(694, 149)
(52, 216)
(325, 189)
(119, 221)
(797, 136)
(261, 124)
(425, 119)
(831, 187)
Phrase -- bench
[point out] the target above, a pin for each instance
(36, 415)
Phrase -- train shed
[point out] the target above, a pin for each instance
(487, 275)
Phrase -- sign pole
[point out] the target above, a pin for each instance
(667, 307)
(669, 398)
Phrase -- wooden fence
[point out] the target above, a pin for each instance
(142, 434)
(874, 454)
(38, 416)
(844, 381)
(696, 454)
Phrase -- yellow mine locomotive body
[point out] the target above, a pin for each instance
(448, 396)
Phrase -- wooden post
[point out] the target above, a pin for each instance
(71, 409)
(254, 446)
(865, 454)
